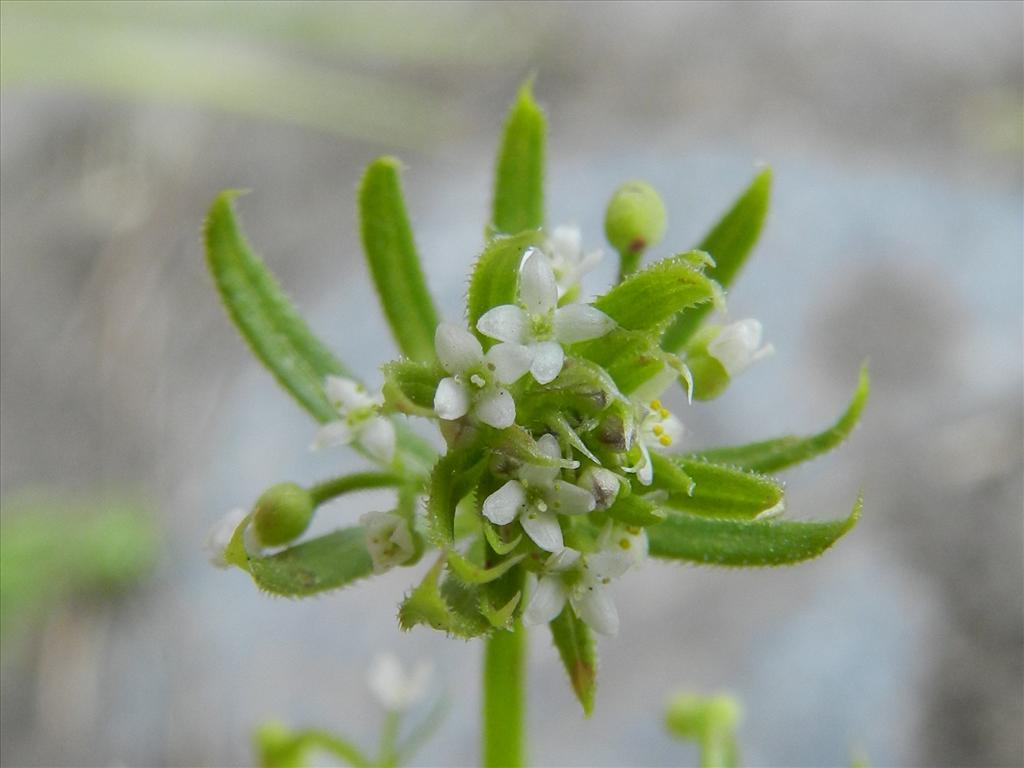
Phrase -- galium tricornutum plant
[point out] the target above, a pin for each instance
(562, 466)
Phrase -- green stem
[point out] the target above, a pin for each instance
(629, 262)
(388, 737)
(504, 683)
(360, 481)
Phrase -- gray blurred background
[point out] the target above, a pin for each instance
(896, 235)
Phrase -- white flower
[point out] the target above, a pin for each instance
(659, 430)
(392, 687)
(568, 262)
(388, 539)
(475, 384)
(582, 580)
(220, 536)
(360, 420)
(603, 485)
(539, 323)
(736, 346)
(536, 498)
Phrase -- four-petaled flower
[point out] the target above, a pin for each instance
(475, 384)
(539, 323)
(736, 346)
(659, 430)
(360, 422)
(537, 497)
(388, 539)
(568, 261)
(582, 580)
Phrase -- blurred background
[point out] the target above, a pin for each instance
(134, 417)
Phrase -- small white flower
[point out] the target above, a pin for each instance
(475, 384)
(536, 498)
(220, 536)
(539, 323)
(392, 687)
(568, 262)
(736, 346)
(388, 539)
(659, 430)
(360, 420)
(582, 580)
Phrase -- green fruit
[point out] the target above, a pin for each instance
(282, 513)
(635, 218)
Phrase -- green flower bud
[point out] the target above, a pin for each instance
(282, 513)
(635, 218)
(699, 717)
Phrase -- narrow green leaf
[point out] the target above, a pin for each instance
(519, 172)
(648, 298)
(409, 386)
(773, 455)
(725, 492)
(500, 618)
(454, 476)
(471, 573)
(575, 645)
(635, 510)
(317, 565)
(729, 243)
(670, 476)
(499, 545)
(267, 320)
(426, 605)
(630, 357)
(737, 543)
(496, 276)
(394, 263)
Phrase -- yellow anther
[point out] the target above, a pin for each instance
(665, 440)
(656, 405)
(658, 430)
(663, 413)
(624, 543)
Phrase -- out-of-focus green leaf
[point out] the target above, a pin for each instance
(711, 721)
(280, 747)
(738, 543)
(394, 263)
(327, 562)
(651, 297)
(495, 276)
(409, 386)
(725, 492)
(729, 243)
(500, 618)
(575, 644)
(773, 455)
(519, 173)
(267, 320)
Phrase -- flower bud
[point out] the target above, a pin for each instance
(635, 218)
(389, 540)
(717, 354)
(282, 513)
(603, 485)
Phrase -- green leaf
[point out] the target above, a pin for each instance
(280, 747)
(426, 605)
(500, 618)
(495, 276)
(327, 562)
(275, 332)
(773, 455)
(582, 387)
(724, 492)
(471, 573)
(729, 243)
(394, 264)
(519, 174)
(454, 476)
(670, 476)
(630, 357)
(738, 543)
(648, 298)
(409, 386)
(499, 545)
(635, 510)
(575, 645)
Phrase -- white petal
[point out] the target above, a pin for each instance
(346, 394)
(546, 602)
(538, 291)
(645, 472)
(567, 499)
(655, 386)
(610, 563)
(594, 605)
(505, 323)
(562, 561)
(388, 539)
(672, 433)
(508, 361)
(496, 408)
(332, 433)
(602, 484)
(505, 504)
(548, 357)
(451, 401)
(580, 322)
(220, 536)
(735, 344)
(543, 528)
(457, 348)
(549, 446)
(566, 243)
(537, 475)
(377, 436)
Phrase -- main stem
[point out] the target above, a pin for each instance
(504, 684)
